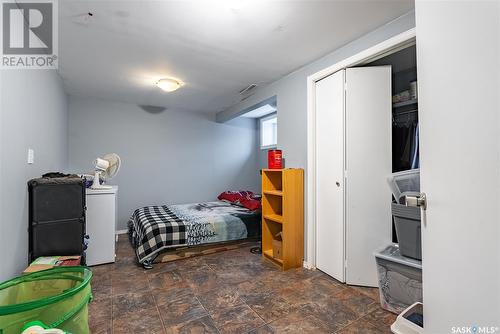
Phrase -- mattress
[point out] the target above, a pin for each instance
(154, 228)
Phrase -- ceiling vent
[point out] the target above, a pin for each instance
(83, 19)
(248, 89)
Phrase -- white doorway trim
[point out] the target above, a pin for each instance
(377, 51)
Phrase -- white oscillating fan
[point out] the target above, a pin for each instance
(107, 167)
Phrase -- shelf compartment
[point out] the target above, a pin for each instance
(268, 253)
(269, 230)
(272, 205)
(272, 180)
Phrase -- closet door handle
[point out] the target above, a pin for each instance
(419, 201)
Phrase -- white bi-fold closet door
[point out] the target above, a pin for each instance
(353, 161)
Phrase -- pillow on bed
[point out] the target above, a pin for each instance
(234, 196)
(250, 204)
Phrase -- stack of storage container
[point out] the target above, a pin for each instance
(400, 265)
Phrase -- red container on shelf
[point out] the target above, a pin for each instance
(274, 160)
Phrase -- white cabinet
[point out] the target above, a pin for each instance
(101, 225)
(353, 161)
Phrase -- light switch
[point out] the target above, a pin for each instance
(31, 156)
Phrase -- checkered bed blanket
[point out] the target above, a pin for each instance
(155, 228)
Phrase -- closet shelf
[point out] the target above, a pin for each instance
(405, 103)
(274, 218)
(273, 192)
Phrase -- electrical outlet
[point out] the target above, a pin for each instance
(31, 156)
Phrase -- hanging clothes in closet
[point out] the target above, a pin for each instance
(405, 145)
(416, 157)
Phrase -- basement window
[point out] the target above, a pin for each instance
(269, 132)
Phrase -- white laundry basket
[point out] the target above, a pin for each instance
(400, 279)
(404, 326)
(407, 181)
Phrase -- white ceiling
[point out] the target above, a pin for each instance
(216, 47)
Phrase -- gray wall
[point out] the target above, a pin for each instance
(262, 158)
(291, 92)
(33, 115)
(170, 157)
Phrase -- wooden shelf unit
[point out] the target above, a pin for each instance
(283, 211)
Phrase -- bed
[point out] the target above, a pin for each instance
(155, 228)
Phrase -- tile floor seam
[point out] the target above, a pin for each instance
(371, 321)
(257, 314)
(230, 307)
(324, 323)
(208, 314)
(112, 304)
(161, 319)
(157, 308)
(255, 329)
(350, 322)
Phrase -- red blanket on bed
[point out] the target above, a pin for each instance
(244, 198)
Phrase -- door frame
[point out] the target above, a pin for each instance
(377, 51)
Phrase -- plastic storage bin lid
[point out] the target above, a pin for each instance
(405, 181)
(391, 253)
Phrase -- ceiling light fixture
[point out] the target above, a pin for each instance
(169, 85)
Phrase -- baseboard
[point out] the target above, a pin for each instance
(121, 231)
(306, 265)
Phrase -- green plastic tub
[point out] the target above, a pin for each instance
(58, 297)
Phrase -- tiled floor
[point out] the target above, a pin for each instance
(229, 292)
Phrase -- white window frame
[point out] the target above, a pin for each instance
(262, 119)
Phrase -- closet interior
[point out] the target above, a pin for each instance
(400, 267)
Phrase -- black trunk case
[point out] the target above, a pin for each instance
(56, 217)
